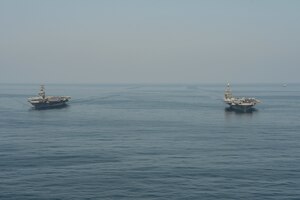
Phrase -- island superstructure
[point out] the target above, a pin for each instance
(241, 104)
(42, 101)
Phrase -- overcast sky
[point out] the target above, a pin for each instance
(149, 41)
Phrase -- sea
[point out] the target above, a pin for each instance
(143, 141)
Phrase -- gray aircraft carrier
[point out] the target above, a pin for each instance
(240, 104)
(43, 102)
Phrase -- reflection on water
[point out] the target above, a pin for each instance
(231, 110)
(232, 113)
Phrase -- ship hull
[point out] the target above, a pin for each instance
(241, 108)
(40, 106)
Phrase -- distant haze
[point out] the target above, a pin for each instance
(149, 41)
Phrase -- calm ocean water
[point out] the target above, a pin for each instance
(150, 142)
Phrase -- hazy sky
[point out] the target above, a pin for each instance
(149, 41)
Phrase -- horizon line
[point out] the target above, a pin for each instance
(144, 83)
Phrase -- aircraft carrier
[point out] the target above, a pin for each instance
(44, 102)
(242, 104)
